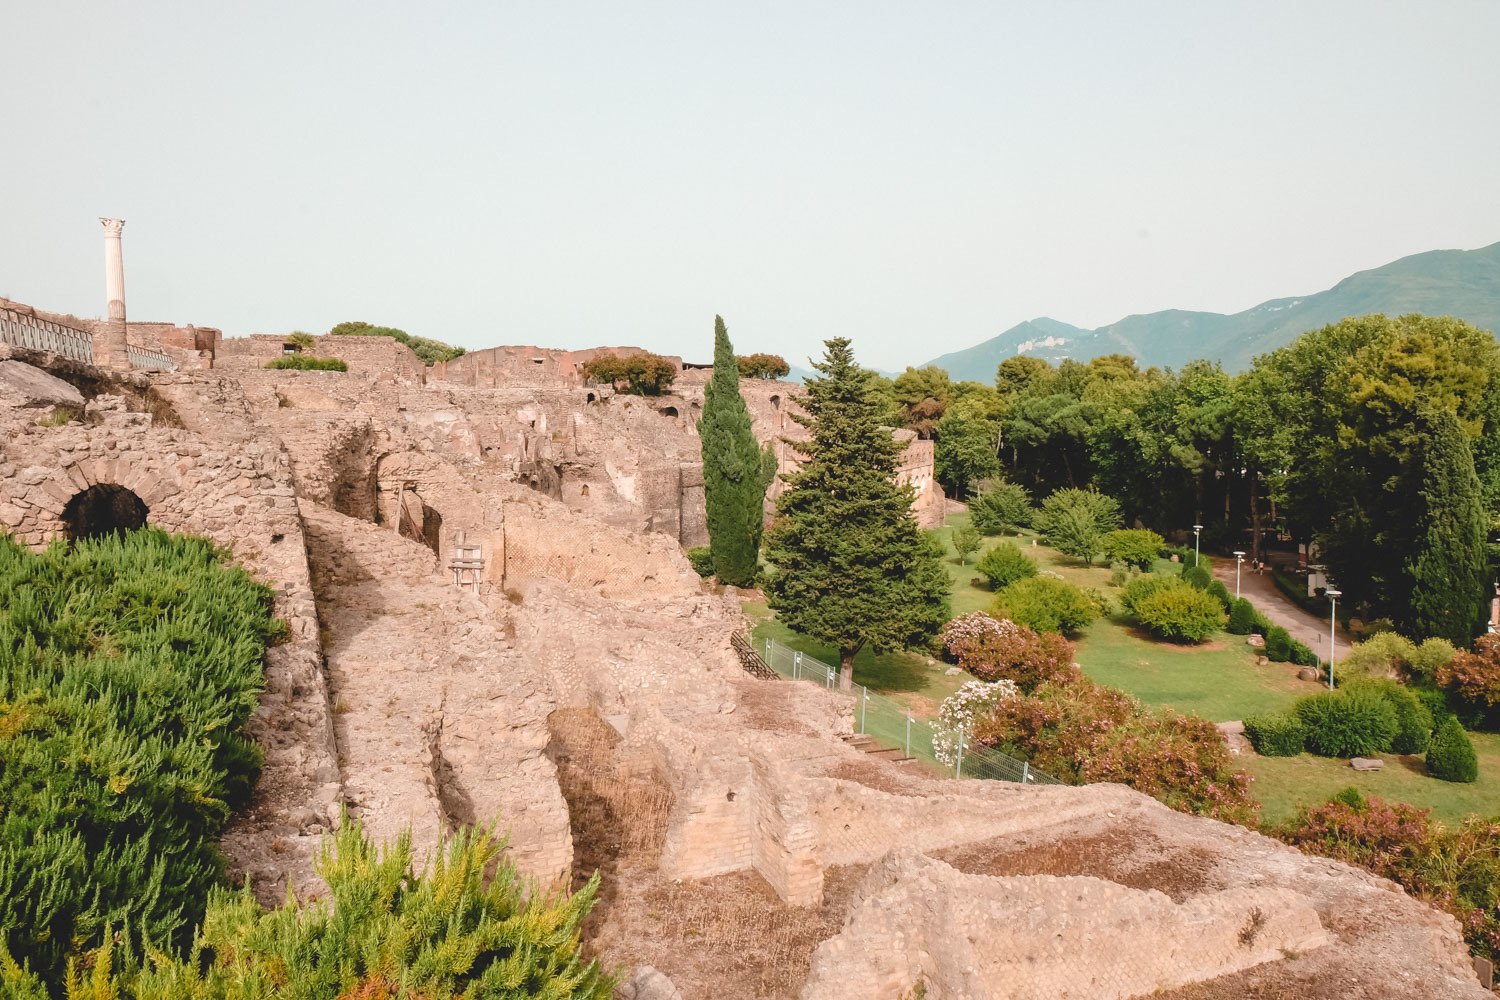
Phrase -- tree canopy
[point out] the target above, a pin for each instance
(848, 564)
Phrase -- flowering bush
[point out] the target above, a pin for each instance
(1018, 654)
(1083, 732)
(960, 710)
(960, 631)
(1457, 870)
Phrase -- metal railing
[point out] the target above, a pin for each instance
(32, 334)
(887, 721)
(142, 357)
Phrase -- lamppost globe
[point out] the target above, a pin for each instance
(1333, 607)
(1239, 558)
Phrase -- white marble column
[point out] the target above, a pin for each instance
(114, 347)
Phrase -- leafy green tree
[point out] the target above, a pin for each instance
(642, 374)
(1076, 521)
(1138, 547)
(1001, 508)
(734, 483)
(966, 449)
(849, 565)
(923, 394)
(1023, 374)
(1004, 564)
(763, 366)
(1448, 569)
(965, 542)
(300, 340)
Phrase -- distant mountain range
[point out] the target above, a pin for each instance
(1462, 283)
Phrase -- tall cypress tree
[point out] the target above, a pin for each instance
(850, 566)
(1447, 574)
(734, 486)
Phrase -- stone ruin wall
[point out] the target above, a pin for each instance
(502, 367)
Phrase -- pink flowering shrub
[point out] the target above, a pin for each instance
(964, 629)
(1082, 732)
(1457, 870)
(1016, 653)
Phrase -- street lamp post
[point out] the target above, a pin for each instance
(1197, 530)
(1239, 559)
(1333, 608)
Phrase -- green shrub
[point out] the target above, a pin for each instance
(466, 925)
(1198, 576)
(1133, 546)
(301, 340)
(1184, 554)
(1179, 612)
(1276, 735)
(1278, 644)
(1430, 657)
(1351, 723)
(1144, 586)
(1005, 564)
(129, 666)
(1001, 508)
(1413, 719)
(1220, 593)
(1044, 604)
(1451, 755)
(307, 363)
(1241, 617)
(1301, 654)
(1434, 699)
(702, 559)
(1384, 654)
(427, 350)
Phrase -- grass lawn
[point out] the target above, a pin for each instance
(1284, 783)
(906, 677)
(1217, 680)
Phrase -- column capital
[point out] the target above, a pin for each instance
(112, 227)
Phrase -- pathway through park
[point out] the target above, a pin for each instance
(1276, 606)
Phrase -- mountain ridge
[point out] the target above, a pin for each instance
(1462, 283)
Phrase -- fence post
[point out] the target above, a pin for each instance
(908, 734)
(797, 665)
(864, 708)
(1025, 771)
(958, 763)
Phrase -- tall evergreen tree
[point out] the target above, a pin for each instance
(1448, 598)
(850, 566)
(734, 484)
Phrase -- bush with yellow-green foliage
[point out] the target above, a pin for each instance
(465, 926)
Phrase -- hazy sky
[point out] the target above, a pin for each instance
(918, 176)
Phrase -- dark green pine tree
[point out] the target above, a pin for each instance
(850, 566)
(734, 485)
(1447, 571)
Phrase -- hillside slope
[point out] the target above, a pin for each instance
(1462, 283)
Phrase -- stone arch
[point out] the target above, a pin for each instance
(593, 398)
(668, 411)
(103, 509)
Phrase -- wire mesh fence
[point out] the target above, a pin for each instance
(889, 722)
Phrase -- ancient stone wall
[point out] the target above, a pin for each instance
(365, 356)
(507, 367)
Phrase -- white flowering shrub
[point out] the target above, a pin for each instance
(964, 629)
(960, 709)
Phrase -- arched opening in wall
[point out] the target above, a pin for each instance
(432, 529)
(593, 398)
(585, 491)
(668, 411)
(105, 509)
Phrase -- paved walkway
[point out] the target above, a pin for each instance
(1262, 592)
